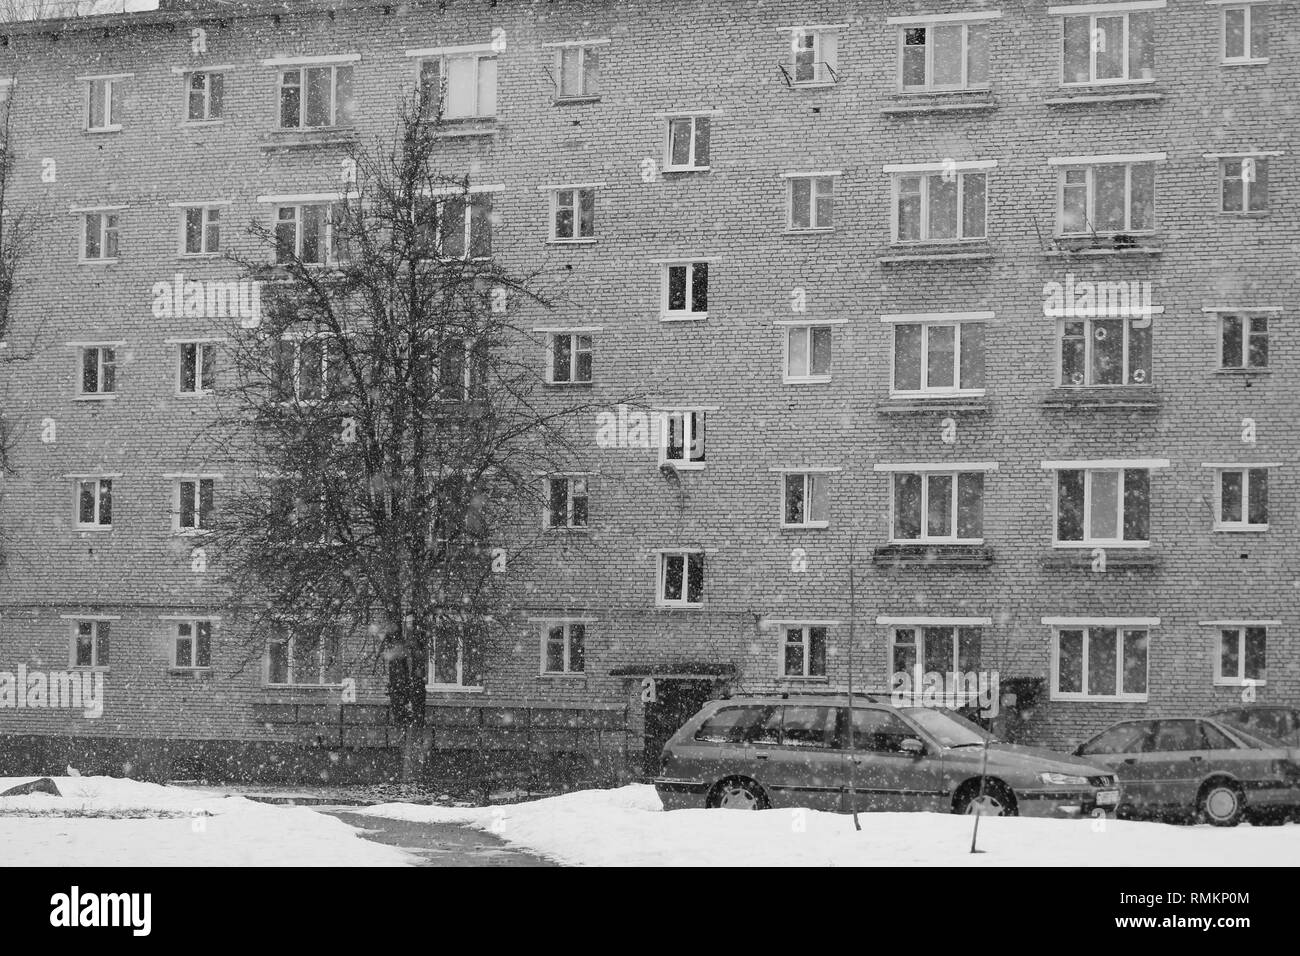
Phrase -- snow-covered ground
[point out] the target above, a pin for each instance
(627, 827)
(106, 821)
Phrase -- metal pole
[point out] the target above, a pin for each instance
(853, 793)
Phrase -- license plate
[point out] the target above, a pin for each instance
(1107, 797)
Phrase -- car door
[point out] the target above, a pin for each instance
(1118, 749)
(1174, 761)
(802, 767)
(885, 775)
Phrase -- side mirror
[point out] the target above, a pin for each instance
(912, 746)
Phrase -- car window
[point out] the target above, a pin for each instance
(1174, 735)
(1123, 739)
(1216, 739)
(882, 731)
(734, 725)
(768, 730)
(947, 727)
(808, 726)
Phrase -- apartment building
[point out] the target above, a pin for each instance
(963, 329)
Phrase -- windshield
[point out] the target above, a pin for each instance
(948, 728)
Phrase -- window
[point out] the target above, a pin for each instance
(938, 358)
(312, 97)
(305, 658)
(103, 103)
(811, 202)
(201, 231)
(1241, 499)
(683, 440)
(573, 213)
(1245, 183)
(466, 84)
(939, 207)
(563, 649)
(813, 57)
(805, 500)
(90, 643)
(100, 234)
(192, 644)
(1122, 739)
(1107, 506)
(98, 372)
(193, 508)
(688, 143)
(461, 369)
(453, 659)
(1244, 341)
(204, 95)
(943, 507)
(1105, 352)
(94, 503)
(874, 729)
(1108, 48)
(305, 233)
(578, 69)
(1107, 199)
(566, 505)
(803, 651)
(934, 649)
(464, 226)
(1245, 33)
(681, 579)
(686, 290)
(943, 57)
(808, 353)
(807, 726)
(1100, 663)
(570, 358)
(736, 725)
(308, 368)
(1241, 655)
(197, 372)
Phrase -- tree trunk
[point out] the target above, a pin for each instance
(406, 694)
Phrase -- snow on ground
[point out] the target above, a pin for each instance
(627, 827)
(107, 821)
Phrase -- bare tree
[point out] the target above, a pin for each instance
(386, 411)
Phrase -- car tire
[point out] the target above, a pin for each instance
(738, 793)
(1221, 803)
(998, 800)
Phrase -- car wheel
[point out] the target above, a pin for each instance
(738, 793)
(996, 801)
(1221, 803)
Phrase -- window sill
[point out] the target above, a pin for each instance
(193, 396)
(1244, 213)
(905, 405)
(580, 675)
(1104, 398)
(812, 231)
(935, 101)
(1118, 558)
(933, 555)
(567, 529)
(467, 126)
(793, 679)
(810, 526)
(686, 169)
(187, 533)
(678, 607)
(190, 671)
(98, 262)
(1081, 99)
(452, 689)
(568, 384)
(92, 529)
(308, 138)
(814, 85)
(575, 100)
(88, 669)
(693, 317)
(1240, 529)
(684, 465)
(1245, 61)
(1097, 698)
(310, 688)
(810, 380)
(1243, 371)
(1241, 682)
(1067, 247)
(99, 130)
(111, 396)
(584, 241)
(201, 124)
(974, 251)
(192, 256)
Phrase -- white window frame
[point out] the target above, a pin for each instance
(1238, 630)
(1120, 626)
(1247, 187)
(926, 324)
(566, 625)
(459, 687)
(1089, 337)
(929, 86)
(200, 367)
(1247, 490)
(805, 642)
(661, 577)
(297, 339)
(692, 164)
(100, 394)
(178, 483)
(575, 195)
(575, 336)
(815, 182)
(95, 622)
(205, 210)
(1247, 319)
(1089, 469)
(302, 67)
(1090, 203)
(104, 215)
(330, 257)
(1124, 10)
(687, 314)
(690, 425)
(925, 476)
(924, 175)
(825, 55)
(478, 54)
(1249, 57)
(808, 329)
(581, 48)
(918, 629)
(193, 623)
(207, 118)
(810, 478)
(110, 83)
(473, 209)
(571, 495)
(99, 481)
(292, 664)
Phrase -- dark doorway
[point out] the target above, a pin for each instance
(676, 701)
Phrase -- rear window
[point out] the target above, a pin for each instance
(737, 725)
(1124, 739)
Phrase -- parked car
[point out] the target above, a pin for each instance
(756, 752)
(1267, 720)
(1199, 767)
